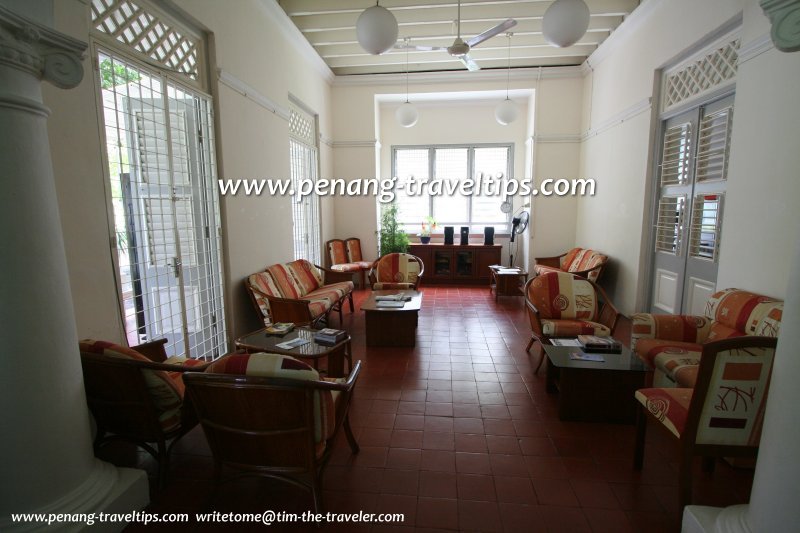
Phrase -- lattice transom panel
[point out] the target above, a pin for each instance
(301, 126)
(701, 75)
(131, 24)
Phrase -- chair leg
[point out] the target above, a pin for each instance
(685, 480)
(163, 463)
(348, 432)
(641, 429)
(350, 299)
(316, 491)
(530, 343)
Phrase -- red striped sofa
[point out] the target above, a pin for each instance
(584, 262)
(672, 344)
(299, 292)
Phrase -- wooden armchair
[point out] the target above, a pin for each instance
(722, 415)
(562, 304)
(279, 420)
(345, 256)
(137, 394)
(396, 271)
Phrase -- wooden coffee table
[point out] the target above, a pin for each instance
(392, 327)
(260, 341)
(505, 282)
(594, 391)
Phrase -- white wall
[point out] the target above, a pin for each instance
(253, 143)
(763, 162)
(557, 131)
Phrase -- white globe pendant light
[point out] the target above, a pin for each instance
(376, 30)
(565, 22)
(507, 111)
(406, 114)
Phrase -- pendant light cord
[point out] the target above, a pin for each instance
(407, 46)
(508, 72)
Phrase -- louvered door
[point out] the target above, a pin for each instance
(691, 178)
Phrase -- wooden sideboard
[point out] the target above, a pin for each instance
(454, 263)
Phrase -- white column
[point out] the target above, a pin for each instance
(773, 503)
(47, 462)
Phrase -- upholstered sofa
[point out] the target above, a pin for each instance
(672, 344)
(581, 261)
(299, 292)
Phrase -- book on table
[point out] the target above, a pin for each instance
(594, 343)
(383, 304)
(294, 343)
(279, 328)
(578, 355)
(399, 297)
(330, 336)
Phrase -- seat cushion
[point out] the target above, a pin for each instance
(668, 406)
(648, 349)
(347, 267)
(680, 328)
(283, 366)
(365, 265)
(165, 391)
(319, 307)
(542, 269)
(572, 328)
(678, 364)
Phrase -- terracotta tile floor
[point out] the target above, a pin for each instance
(459, 434)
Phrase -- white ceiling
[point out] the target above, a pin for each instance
(329, 25)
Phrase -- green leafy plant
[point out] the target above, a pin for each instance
(392, 237)
(428, 225)
(113, 74)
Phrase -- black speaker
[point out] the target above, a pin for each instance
(488, 235)
(464, 235)
(448, 234)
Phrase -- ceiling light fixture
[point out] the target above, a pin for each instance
(506, 111)
(376, 30)
(406, 114)
(565, 22)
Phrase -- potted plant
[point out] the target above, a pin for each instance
(428, 225)
(393, 238)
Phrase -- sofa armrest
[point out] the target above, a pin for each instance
(554, 261)
(288, 310)
(681, 328)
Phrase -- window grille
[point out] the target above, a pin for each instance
(669, 225)
(713, 146)
(677, 150)
(149, 33)
(453, 164)
(705, 228)
(162, 170)
(701, 75)
(303, 160)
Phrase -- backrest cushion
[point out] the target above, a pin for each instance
(305, 275)
(285, 282)
(733, 410)
(561, 295)
(747, 312)
(337, 252)
(272, 365)
(262, 285)
(353, 250)
(586, 259)
(167, 395)
(397, 268)
(567, 260)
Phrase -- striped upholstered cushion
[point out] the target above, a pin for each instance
(353, 250)
(262, 285)
(566, 261)
(347, 267)
(305, 275)
(165, 388)
(561, 295)
(285, 282)
(337, 252)
(283, 366)
(745, 311)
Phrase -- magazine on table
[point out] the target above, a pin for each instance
(279, 328)
(565, 342)
(294, 343)
(578, 355)
(389, 304)
(399, 297)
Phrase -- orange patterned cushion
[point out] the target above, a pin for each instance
(166, 390)
(541, 269)
(305, 275)
(337, 252)
(649, 349)
(567, 260)
(682, 328)
(334, 291)
(669, 406)
(560, 295)
(283, 366)
(347, 267)
(354, 250)
(261, 285)
(745, 311)
(285, 282)
(397, 268)
(572, 328)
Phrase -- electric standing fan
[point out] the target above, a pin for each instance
(519, 223)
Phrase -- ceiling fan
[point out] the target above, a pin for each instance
(460, 48)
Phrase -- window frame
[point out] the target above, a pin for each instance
(470, 147)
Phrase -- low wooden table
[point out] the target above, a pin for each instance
(260, 341)
(594, 391)
(392, 327)
(506, 283)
